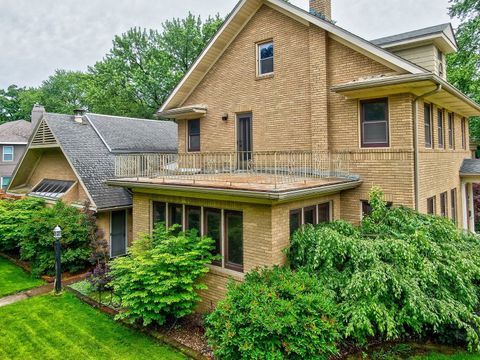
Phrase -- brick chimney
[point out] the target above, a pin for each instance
(321, 7)
(37, 114)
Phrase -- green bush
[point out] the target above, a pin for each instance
(274, 314)
(37, 244)
(159, 277)
(399, 273)
(15, 217)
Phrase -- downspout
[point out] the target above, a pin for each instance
(416, 171)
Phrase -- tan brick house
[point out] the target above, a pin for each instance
(287, 119)
(69, 158)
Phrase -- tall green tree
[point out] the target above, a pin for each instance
(464, 66)
(143, 66)
(64, 91)
(11, 107)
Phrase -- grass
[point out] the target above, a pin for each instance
(62, 327)
(14, 279)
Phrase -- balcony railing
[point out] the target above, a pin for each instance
(274, 167)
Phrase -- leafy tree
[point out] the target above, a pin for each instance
(64, 91)
(400, 273)
(143, 66)
(11, 105)
(184, 39)
(464, 66)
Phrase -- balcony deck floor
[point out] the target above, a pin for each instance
(238, 181)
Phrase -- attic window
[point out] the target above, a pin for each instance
(265, 58)
(51, 189)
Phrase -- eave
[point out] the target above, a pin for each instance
(256, 197)
(449, 97)
(185, 113)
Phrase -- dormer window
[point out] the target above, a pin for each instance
(440, 62)
(265, 58)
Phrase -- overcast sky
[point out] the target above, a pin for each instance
(39, 36)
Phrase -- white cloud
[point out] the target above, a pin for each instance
(41, 36)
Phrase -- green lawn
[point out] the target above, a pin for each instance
(13, 279)
(51, 327)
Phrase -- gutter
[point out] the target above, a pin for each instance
(269, 196)
(416, 165)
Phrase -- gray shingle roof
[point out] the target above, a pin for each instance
(135, 135)
(470, 167)
(15, 131)
(411, 35)
(92, 160)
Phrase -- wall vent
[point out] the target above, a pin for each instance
(44, 135)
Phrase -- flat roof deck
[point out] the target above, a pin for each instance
(246, 182)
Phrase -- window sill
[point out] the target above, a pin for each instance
(217, 270)
(265, 76)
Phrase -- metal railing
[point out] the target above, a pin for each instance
(269, 166)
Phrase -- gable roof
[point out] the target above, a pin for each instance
(240, 16)
(85, 148)
(426, 33)
(15, 132)
(121, 134)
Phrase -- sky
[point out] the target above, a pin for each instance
(39, 36)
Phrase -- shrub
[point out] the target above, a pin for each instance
(15, 217)
(159, 277)
(399, 273)
(37, 246)
(274, 314)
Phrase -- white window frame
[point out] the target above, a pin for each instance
(4, 153)
(2, 180)
(259, 59)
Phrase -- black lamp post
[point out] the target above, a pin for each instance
(57, 234)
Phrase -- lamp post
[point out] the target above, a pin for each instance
(57, 234)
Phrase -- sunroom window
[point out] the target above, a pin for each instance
(265, 58)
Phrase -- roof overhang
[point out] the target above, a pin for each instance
(241, 15)
(448, 97)
(185, 113)
(447, 44)
(257, 197)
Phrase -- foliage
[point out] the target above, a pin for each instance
(37, 246)
(184, 39)
(464, 66)
(63, 327)
(13, 279)
(15, 217)
(274, 314)
(159, 277)
(10, 104)
(399, 273)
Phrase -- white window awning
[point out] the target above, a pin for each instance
(185, 112)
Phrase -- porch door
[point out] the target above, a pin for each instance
(118, 233)
(244, 139)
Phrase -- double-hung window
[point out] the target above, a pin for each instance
(441, 132)
(265, 58)
(451, 131)
(453, 200)
(431, 205)
(7, 153)
(428, 125)
(443, 204)
(464, 134)
(374, 123)
(194, 135)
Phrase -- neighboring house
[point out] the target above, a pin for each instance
(14, 137)
(287, 119)
(69, 157)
